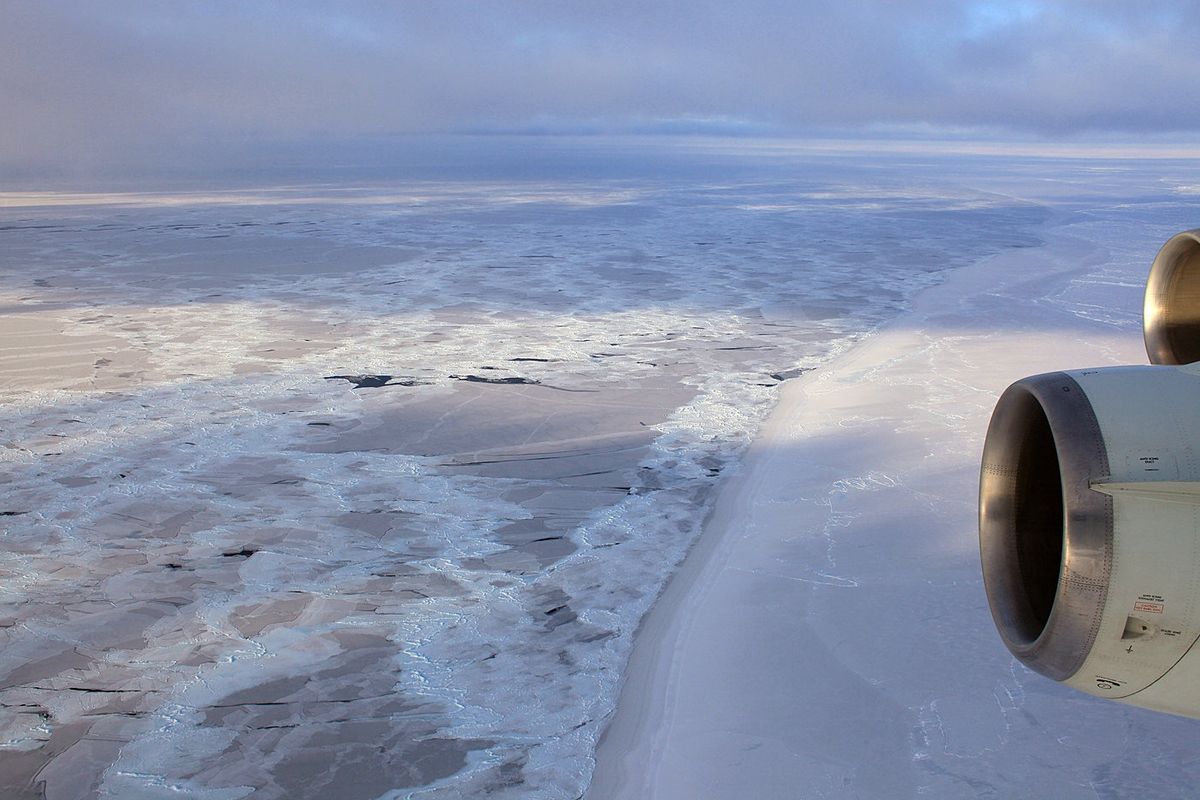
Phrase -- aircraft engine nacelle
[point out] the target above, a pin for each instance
(1171, 312)
(1089, 510)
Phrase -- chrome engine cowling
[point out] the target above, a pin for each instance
(1045, 537)
(1171, 311)
(1089, 511)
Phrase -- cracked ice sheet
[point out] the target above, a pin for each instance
(224, 573)
(830, 636)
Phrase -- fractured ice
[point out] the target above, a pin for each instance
(365, 490)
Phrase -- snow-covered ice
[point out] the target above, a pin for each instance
(830, 636)
(363, 490)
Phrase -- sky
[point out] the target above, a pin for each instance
(95, 82)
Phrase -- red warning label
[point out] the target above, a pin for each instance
(1148, 607)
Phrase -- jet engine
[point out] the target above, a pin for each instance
(1089, 510)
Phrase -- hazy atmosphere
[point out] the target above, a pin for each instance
(89, 84)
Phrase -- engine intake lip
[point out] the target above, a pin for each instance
(1171, 309)
(1045, 538)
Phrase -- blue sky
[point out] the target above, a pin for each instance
(121, 77)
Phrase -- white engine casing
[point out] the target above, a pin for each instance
(1090, 530)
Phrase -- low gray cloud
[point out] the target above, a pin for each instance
(85, 80)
